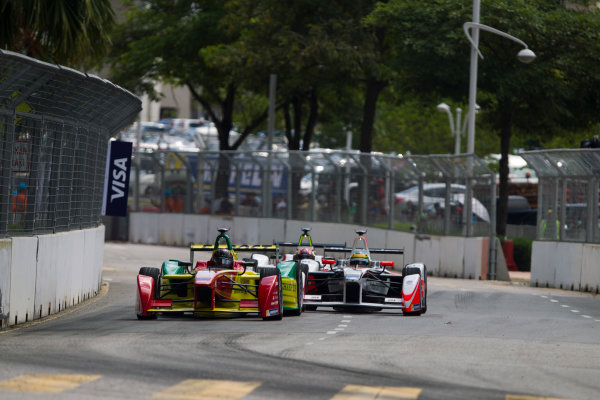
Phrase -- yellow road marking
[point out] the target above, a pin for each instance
(45, 383)
(520, 397)
(356, 392)
(208, 389)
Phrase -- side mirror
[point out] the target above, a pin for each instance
(386, 263)
(328, 261)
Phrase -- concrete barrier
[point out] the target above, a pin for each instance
(568, 265)
(543, 268)
(5, 276)
(44, 274)
(446, 256)
(590, 268)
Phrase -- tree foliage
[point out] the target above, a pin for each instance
(67, 32)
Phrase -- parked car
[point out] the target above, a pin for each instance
(435, 193)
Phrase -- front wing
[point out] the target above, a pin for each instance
(376, 292)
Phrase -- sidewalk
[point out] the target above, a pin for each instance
(519, 276)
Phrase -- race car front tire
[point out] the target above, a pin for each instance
(417, 271)
(154, 273)
(301, 276)
(269, 271)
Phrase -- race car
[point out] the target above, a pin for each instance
(305, 250)
(360, 283)
(220, 287)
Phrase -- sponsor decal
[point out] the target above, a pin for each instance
(409, 282)
(416, 307)
(116, 184)
(272, 312)
(290, 287)
(312, 297)
(393, 300)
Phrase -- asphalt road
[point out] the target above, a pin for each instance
(478, 340)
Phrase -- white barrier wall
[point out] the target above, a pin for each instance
(444, 255)
(5, 256)
(572, 266)
(44, 274)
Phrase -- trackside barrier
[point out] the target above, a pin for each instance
(5, 257)
(456, 257)
(572, 266)
(46, 274)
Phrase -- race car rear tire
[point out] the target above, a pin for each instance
(265, 272)
(155, 274)
(301, 276)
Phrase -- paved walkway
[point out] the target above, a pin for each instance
(519, 276)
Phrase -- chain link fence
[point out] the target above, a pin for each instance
(55, 124)
(436, 194)
(568, 194)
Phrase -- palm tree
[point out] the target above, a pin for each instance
(68, 32)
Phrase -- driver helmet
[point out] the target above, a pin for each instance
(222, 258)
(304, 253)
(359, 259)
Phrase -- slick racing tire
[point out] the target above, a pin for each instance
(154, 273)
(424, 301)
(265, 272)
(416, 271)
(301, 276)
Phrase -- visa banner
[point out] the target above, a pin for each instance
(116, 180)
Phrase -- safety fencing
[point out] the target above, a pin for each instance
(566, 252)
(436, 194)
(568, 194)
(55, 124)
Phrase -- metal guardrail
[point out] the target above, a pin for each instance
(568, 194)
(55, 124)
(408, 193)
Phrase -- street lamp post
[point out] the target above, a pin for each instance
(455, 130)
(525, 56)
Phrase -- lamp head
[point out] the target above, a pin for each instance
(526, 56)
(443, 107)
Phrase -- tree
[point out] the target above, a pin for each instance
(72, 33)
(560, 90)
(187, 43)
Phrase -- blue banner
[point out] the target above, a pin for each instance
(116, 181)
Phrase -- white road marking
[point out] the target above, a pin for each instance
(544, 297)
(345, 321)
(554, 301)
(575, 311)
(586, 316)
(331, 332)
(342, 326)
(564, 305)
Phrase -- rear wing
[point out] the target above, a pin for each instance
(257, 248)
(315, 245)
(344, 249)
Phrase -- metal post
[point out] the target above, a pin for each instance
(473, 80)
(492, 275)
(138, 164)
(457, 131)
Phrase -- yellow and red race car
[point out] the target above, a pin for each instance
(222, 286)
